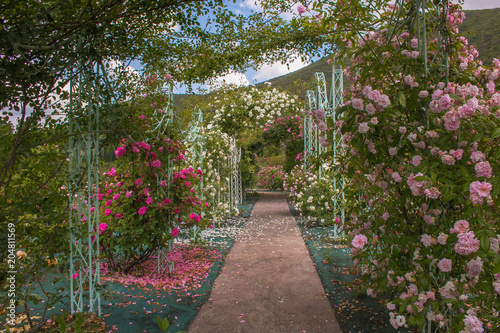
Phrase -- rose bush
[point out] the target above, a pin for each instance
(270, 178)
(421, 132)
(142, 205)
(313, 196)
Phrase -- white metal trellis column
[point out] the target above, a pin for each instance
(309, 142)
(325, 107)
(235, 191)
(337, 147)
(84, 105)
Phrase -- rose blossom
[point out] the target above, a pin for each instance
(384, 101)
(448, 159)
(359, 241)
(320, 114)
(445, 265)
(396, 177)
(474, 267)
(442, 238)
(473, 324)
(363, 128)
(427, 240)
(370, 109)
(423, 94)
(461, 226)
(432, 193)
(142, 210)
(175, 232)
(102, 227)
(483, 189)
(120, 151)
(477, 156)
(467, 243)
(483, 169)
(451, 120)
(445, 102)
(416, 160)
(357, 103)
(457, 153)
(374, 95)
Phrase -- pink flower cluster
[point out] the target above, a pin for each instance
(467, 243)
(479, 190)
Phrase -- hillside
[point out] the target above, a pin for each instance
(480, 27)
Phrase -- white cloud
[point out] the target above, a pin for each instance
(252, 5)
(233, 78)
(276, 69)
(480, 4)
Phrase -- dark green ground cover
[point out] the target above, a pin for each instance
(355, 311)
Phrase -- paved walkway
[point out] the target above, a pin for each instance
(268, 283)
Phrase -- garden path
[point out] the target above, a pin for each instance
(268, 283)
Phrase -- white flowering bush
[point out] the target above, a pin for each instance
(422, 155)
(242, 111)
(311, 195)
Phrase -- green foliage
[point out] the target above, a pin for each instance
(162, 324)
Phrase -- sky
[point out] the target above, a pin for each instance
(268, 72)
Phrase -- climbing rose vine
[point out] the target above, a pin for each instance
(422, 158)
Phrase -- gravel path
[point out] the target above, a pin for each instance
(268, 283)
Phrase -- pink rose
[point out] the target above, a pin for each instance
(357, 103)
(467, 243)
(483, 169)
(359, 241)
(112, 172)
(143, 210)
(445, 265)
(102, 227)
(461, 226)
(120, 151)
(482, 189)
(416, 160)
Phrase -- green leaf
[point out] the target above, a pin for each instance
(452, 239)
(402, 99)
(495, 133)
(485, 243)
(62, 323)
(496, 269)
(421, 178)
